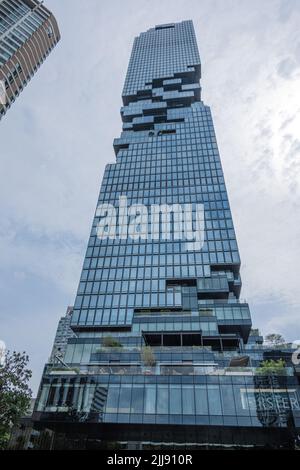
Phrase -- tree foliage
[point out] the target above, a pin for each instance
(15, 393)
(275, 338)
(111, 342)
(271, 367)
(148, 356)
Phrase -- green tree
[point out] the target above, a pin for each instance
(254, 332)
(15, 393)
(275, 338)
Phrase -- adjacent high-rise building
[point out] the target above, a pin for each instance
(63, 333)
(164, 354)
(28, 33)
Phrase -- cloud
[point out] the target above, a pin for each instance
(286, 67)
(286, 8)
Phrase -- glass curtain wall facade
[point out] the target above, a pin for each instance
(163, 353)
(28, 33)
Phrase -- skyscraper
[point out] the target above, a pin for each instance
(63, 333)
(163, 354)
(28, 33)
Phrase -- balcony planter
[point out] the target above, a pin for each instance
(147, 356)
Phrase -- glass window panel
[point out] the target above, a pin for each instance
(214, 400)
(162, 399)
(78, 353)
(87, 348)
(175, 399)
(243, 400)
(137, 399)
(112, 399)
(150, 399)
(201, 400)
(188, 401)
(69, 353)
(125, 399)
(228, 400)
